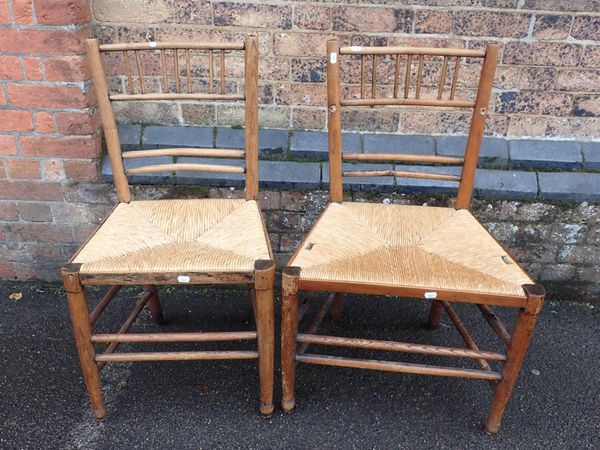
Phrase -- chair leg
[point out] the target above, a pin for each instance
(82, 331)
(435, 314)
(289, 330)
(517, 348)
(264, 276)
(251, 298)
(337, 307)
(154, 305)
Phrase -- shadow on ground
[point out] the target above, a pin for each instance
(556, 403)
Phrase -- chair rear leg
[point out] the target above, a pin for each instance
(517, 348)
(337, 307)
(154, 305)
(289, 330)
(264, 308)
(82, 331)
(435, 314)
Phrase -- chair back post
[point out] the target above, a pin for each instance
(109, 125)
(334, 121)
(484, 90)
(251, 122)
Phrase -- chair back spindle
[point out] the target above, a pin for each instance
(440, 97)
(169, 54)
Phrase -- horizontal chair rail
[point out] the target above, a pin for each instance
(175, 356)
(401, 174)
(175, 337)
(160, 278)
(175, 96)
(394, 157)
(357, 50)
(399, 347)
(210, 152)
(407, 101)
(171, 45)
(189, 167)
(391, 366)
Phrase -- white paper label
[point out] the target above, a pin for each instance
(152, 44)
(333, 57)
(183, 279)
(430, 294)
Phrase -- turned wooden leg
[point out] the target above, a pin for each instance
(289, 330)
(82, 331)
(154, 305)
(337, 307)
(514, 358)
(251, 298)
(264, 277)
(435, 314)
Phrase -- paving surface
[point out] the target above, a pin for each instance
(556, 403)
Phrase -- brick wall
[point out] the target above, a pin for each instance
(48, 134)
(547, 84)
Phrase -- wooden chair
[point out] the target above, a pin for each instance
(174, 242)
(442, 255)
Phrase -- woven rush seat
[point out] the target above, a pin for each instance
(177, 235)
(417, 246)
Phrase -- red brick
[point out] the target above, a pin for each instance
(61, 147)
(22, 12)
(59, 12)
(6, 270)
(15, 120)
(2, 97)
(586, 27)
(2, 169)
(488, 23)
(8, 145)
(53, 42)
(66, 69)
(542, 54)
(81, 170)
(34, 212)
(372, 20)
(312, 17)
(4, 13)
(53, 170)
(33, 69)
(8, 211)
(38, 232)
(550, 26)
(44, 122)
(38, 96)
(300, 44)
(10, 68)
(76, 123)
(26, 169)
(252, 15)
(433, 21)
(30, 190)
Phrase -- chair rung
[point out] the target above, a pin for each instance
(175, 337)
(402, 174)
(406, 101)
(175, 96)
(171, 46)
(189, 167)
(391, 366)
(434, 51)
(399, 347)
(210, 152)
(175, 356)
(395, 157)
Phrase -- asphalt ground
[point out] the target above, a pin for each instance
(196, 405)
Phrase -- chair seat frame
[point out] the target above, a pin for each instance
(294, 344)
(259, 280)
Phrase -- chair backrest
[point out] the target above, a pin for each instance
(175, 78)
(434, 62)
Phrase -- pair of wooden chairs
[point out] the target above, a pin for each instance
(440, 255)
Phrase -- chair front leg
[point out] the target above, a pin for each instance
(517, 349)
(154, 305)
(289, 330)
(337, 307)
(82, 331)
(264, 277)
